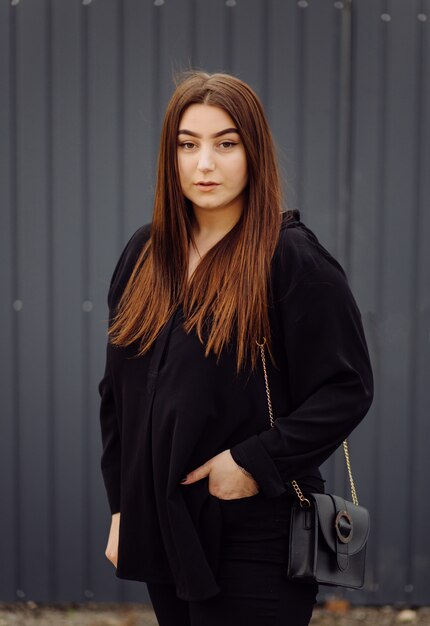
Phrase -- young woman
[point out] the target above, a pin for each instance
(198, 482)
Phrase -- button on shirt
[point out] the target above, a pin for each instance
(168, 412)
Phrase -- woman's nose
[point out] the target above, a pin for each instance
(206, 161)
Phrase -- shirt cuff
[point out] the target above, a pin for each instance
(253, 456)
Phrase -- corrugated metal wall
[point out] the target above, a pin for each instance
(83, 88)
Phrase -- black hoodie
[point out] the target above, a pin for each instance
(168, 412)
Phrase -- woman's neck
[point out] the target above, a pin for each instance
(210, 227)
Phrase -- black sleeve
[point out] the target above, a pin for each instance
(330, 378)
(111, 443)
(110, 433)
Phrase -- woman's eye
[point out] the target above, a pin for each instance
(229, 143)
(186, 143)
(189, 145)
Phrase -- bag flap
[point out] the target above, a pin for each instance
(327, 512)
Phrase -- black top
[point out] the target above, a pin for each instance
(166, 413)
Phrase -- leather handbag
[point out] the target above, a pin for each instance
(328, 534)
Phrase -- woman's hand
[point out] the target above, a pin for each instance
(226, 480)
(111, 551)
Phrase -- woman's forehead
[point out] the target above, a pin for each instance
(206, 119)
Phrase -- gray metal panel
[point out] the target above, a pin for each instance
(69, 556)
(365, 182)
(396, 255)
(283, 106)
(366, 229)
(8, 315)
(403, 161)
(386, 236)
(102, 224)
(140, 130)
(248, 43)
(211, 23)
(173, 48)
(420, 337)
(347, 95)
(35, 523)
(320, 119)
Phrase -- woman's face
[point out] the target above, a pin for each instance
(210, 149)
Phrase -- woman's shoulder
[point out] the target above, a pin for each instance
(300, 256)
(127, 260)
(138, 239)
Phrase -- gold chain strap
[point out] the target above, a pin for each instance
(303, 501)
(351, 480)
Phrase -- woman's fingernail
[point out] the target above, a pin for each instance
(183, 479)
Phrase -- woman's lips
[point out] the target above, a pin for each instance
(206, 187)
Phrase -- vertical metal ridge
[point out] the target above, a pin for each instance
(417, 220)
(120, 22)
(51, 378)
(16, 287)
(337, 130)
(121, 123)
(156, 86)
(379, 273)
(343, 235)
(300, 96)
(229, 21)
(344, 213)
(265, 11)
(85, 207)
(192, 12)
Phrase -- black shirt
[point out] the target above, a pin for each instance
(168, 412)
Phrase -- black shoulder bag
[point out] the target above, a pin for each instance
(328, 534)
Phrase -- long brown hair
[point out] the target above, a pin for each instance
(227, 295)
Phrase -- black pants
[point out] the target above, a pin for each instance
(252, 575)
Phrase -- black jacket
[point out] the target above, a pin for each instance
(164, 414)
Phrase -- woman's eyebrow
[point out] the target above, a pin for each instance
(218, 134)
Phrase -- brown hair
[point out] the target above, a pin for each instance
(229, 289)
